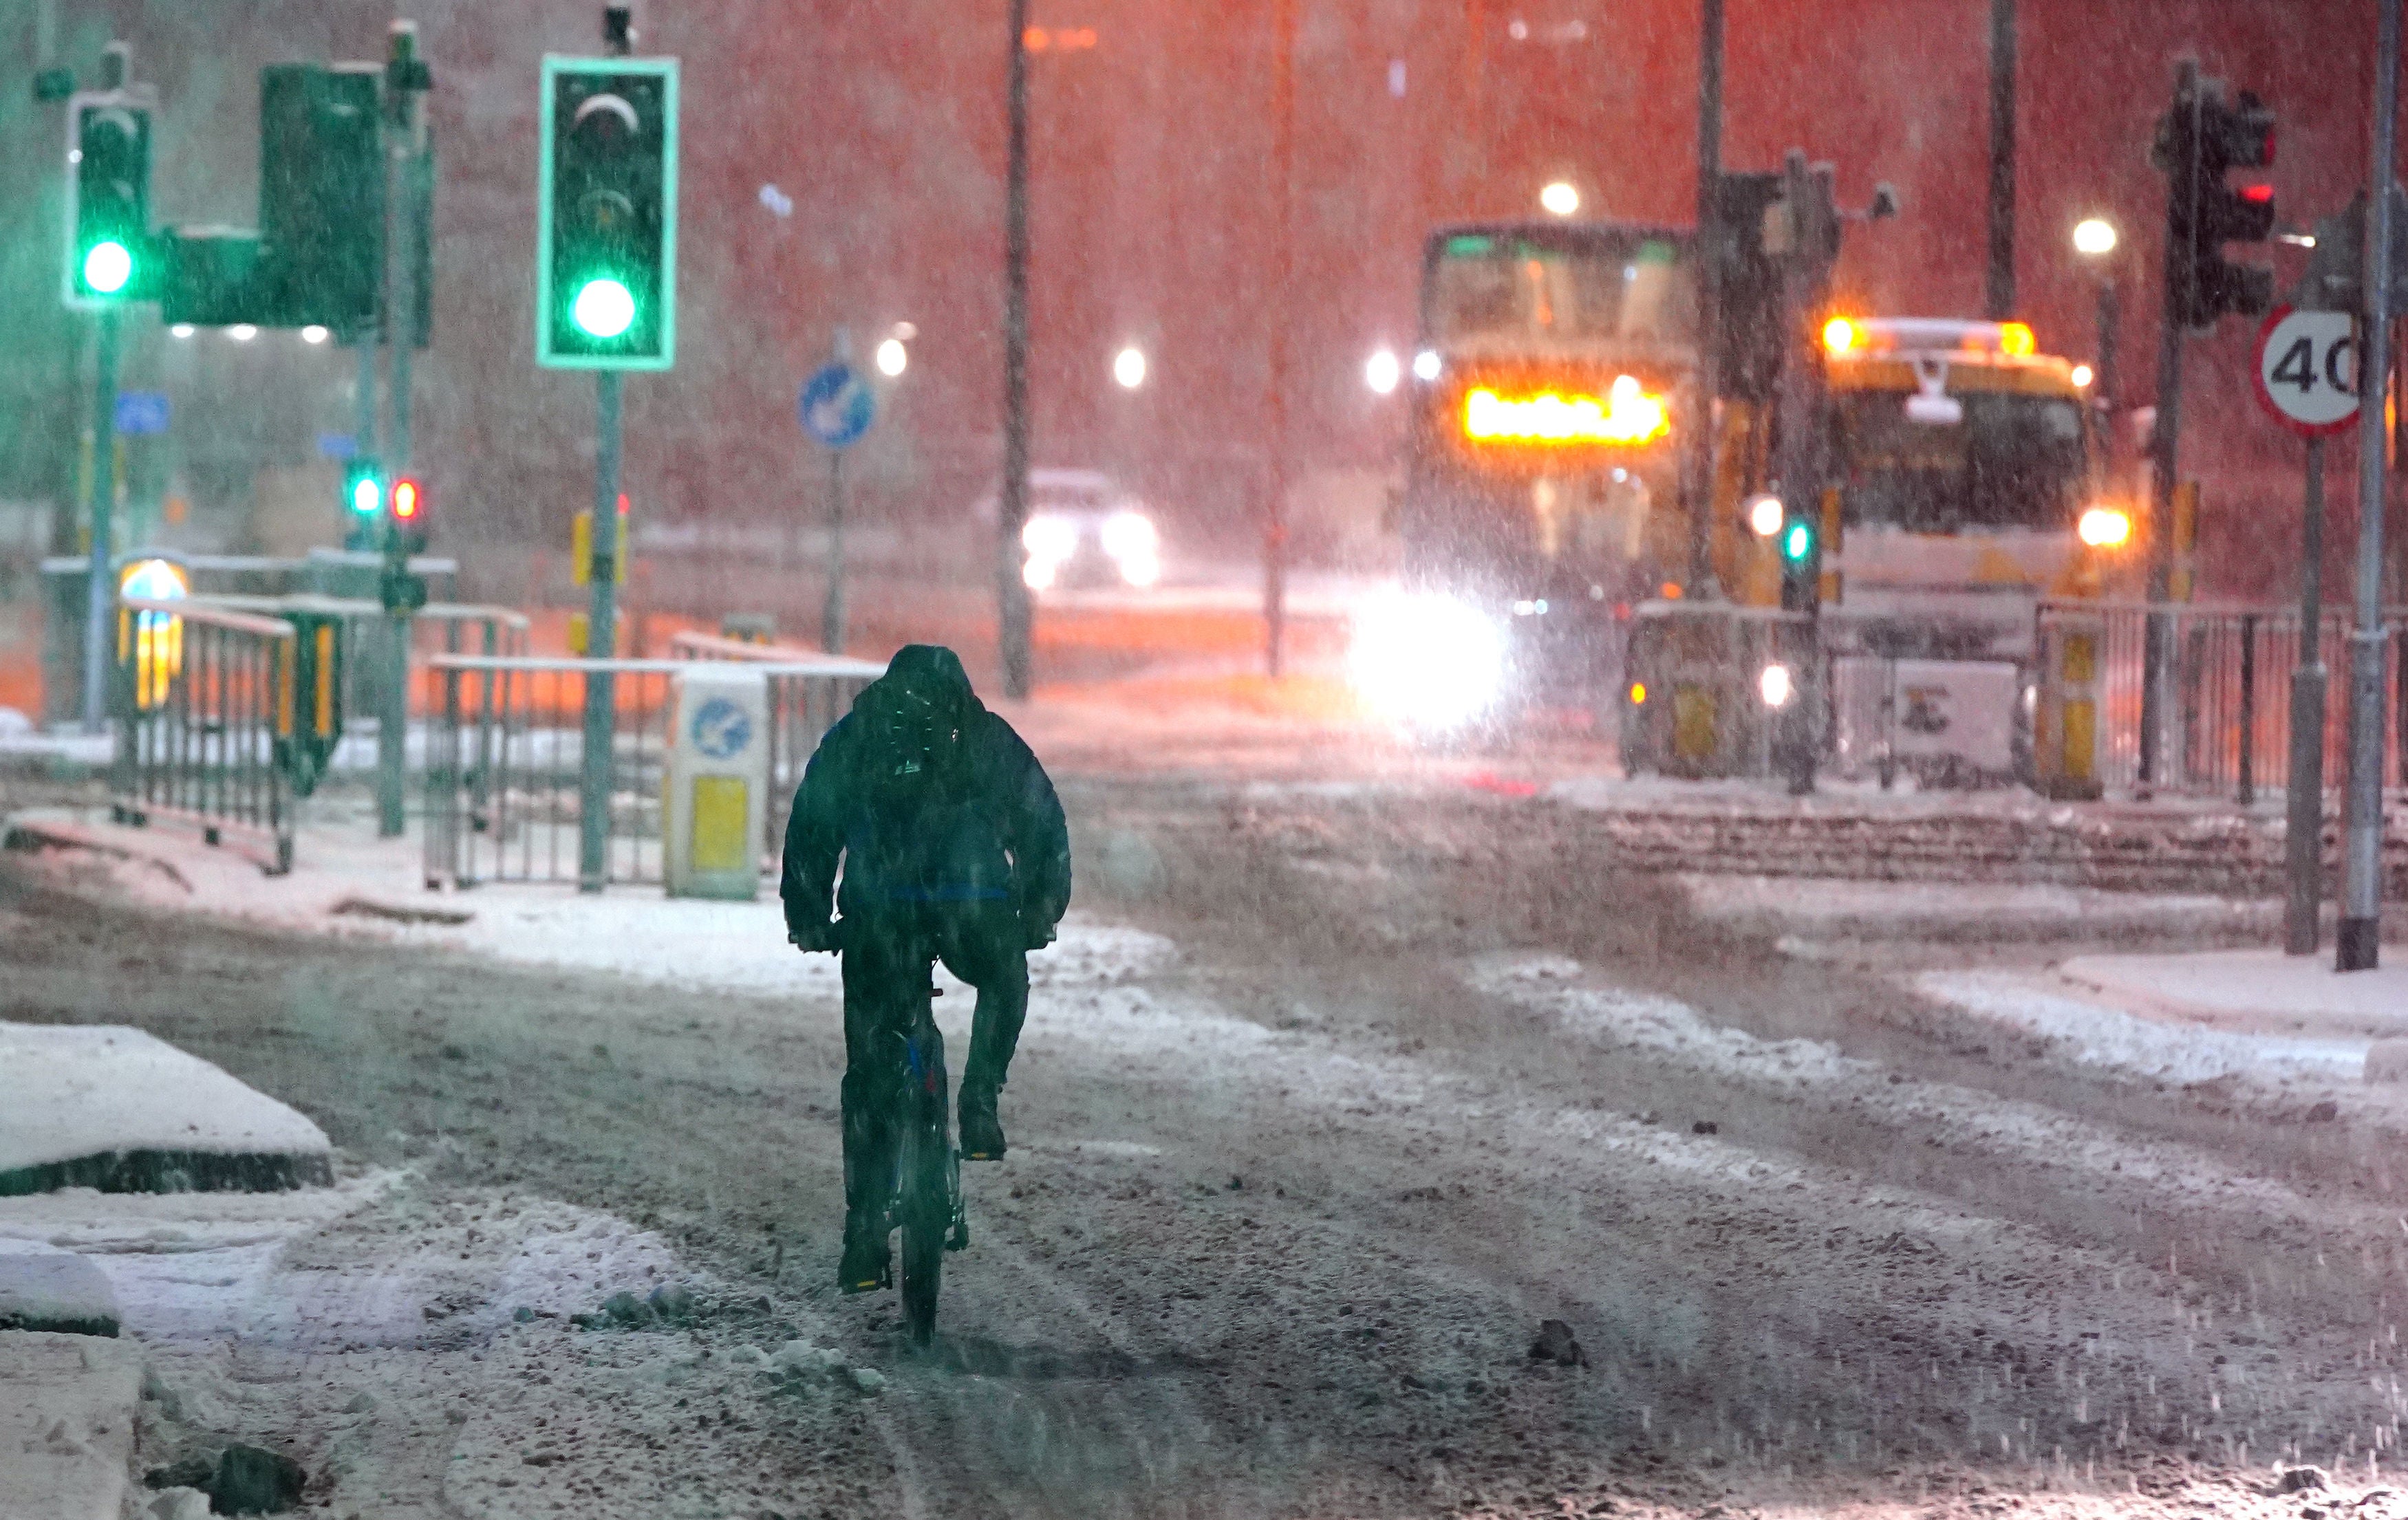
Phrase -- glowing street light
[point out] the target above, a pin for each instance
(242, 332)
(892, 358)
(313, 334)
(2094, 237)
(1128, 368)
(1382, 372)
(1560, 199)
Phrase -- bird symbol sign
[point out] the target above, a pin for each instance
(837, 406)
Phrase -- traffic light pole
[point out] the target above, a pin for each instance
(832, 610)
(2358, 947)
(601, 642)
(100, 607)
(2163, 440)
(400, 330)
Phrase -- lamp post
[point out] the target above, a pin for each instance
(2095, 239)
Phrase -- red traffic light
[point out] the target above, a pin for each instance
(2258, 194)
(406, 500)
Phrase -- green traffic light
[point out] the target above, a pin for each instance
(107, 267)
(367, 495)
(1798, 542)
(603, 308)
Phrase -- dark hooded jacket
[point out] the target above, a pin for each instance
(972, 820)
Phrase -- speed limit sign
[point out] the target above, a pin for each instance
(2307, 369)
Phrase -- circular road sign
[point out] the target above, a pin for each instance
(2307, 369)
(837, 406)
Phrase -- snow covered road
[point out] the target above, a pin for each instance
(1326, 1103)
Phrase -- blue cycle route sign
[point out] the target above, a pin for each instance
(837, 406)
(141, 413)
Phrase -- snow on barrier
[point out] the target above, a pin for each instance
(111, 1108)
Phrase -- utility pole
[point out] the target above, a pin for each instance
(1013, 609)
(2304, 843)
(2358, 947)
(1709, 302)
(1999, 298)
(1281, 283)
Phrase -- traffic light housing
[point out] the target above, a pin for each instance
(2201, 139)
(413, 514)
(111, 259)
(605, 253)
(1802, 563)
(363, 504)
(321, 197)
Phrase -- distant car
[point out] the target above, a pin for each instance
(1085, 529)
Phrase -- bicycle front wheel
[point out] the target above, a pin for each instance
(928, 1214)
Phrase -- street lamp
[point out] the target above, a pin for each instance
(892, 358)
(1560, 199)
(1383, 371)
(1128, 368)
(2095, 239)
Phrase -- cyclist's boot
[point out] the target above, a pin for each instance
(869, 1183)
(865, 1264)
(982, 1132)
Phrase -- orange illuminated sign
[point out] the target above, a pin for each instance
(1625, 415)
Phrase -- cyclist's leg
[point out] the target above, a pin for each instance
(876, 990)
(987, 948)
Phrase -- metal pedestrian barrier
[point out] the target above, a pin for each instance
(505, 756)
(2229, 722)
(209, 708)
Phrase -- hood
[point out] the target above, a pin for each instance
(920, 674)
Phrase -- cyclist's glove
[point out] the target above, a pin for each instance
(809, 938)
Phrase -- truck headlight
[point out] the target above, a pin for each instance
(1429, 660)
(2104, 527)
(1774, 685)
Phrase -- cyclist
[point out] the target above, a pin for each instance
(953, 847)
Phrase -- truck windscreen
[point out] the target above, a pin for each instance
(1598, 285)
(2015, 461)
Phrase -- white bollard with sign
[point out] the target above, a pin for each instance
(718, 781)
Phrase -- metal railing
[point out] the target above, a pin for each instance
(506, 752)
(2229, 722)
(203, 703)
(437, 628)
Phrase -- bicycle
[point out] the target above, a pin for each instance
(926, 1203)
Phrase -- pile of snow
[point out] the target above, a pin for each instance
(44, 1289)
(66, 1425)
(2095, 1033)
(2253, 989)
(70, 1093)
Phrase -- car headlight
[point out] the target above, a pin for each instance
(1429, 660)
(1130, 535)
(1049, 537)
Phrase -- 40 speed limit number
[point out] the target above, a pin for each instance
(2307, 369)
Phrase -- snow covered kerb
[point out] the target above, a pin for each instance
(109, 1107)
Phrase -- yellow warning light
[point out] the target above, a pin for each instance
(1639, 693)
(2015, 340)
(1625, 415)
(1841, 336)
